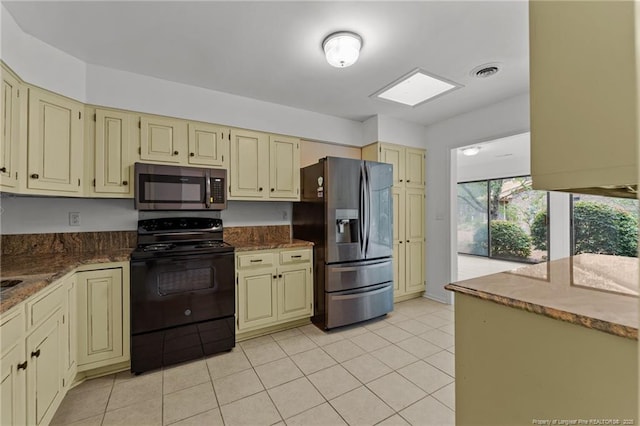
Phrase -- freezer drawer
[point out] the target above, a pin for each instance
(348, 307)
(348, 276)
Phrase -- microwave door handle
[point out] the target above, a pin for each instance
(207, 195)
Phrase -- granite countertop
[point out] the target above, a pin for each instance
(267, 245)
(39, 270)
(595, 291)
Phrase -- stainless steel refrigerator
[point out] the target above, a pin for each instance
(346, 210)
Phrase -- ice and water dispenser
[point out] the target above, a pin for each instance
(347, 226)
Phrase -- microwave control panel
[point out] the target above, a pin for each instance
(217, 190)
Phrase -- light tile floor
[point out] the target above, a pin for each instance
(397, 370)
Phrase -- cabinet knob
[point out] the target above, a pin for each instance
(35, 176)
(35, 354)
(408, 181)
(400, 180)
(260, 189)
(280, 276)
(192, 154)
(22, 366)
(400, 242)
(275, 276)
(125, 183)
(272, 189)
(3, 170)
(407, 240)
(175, 152)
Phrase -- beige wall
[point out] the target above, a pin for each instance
(513, 367)
(311, 152)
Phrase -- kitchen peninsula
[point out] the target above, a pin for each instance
(552, 341)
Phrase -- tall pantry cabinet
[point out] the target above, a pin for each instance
(408, 214)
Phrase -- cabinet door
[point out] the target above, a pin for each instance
(284, 167)
(112, 163)
(256, 298)
(414, 266)
(249, 165)
(162, 139)
(44, 370)
(294, 292)
(414, 168)
(10, 136)
(395, 155)
(208, 145)
(399, 214)
(54, 143)
(12, 377)
(414, 214)
(100, 324)
(12, 386)
(70, 351)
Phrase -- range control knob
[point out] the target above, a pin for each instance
(187, 312)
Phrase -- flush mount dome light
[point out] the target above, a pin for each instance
(342, 48)
(472, 150)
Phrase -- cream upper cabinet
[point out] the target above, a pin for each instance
(112, 160)
(408, 214)
(584, 82)
(274, 287)
(102, 297)
(54, 161)
(250, 165)
(208, 145)
(284, 167)
(12, 117)
(162, 139)
(414, 171)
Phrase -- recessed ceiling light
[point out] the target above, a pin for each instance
(472, 150)
(415, 88)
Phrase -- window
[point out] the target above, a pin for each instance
(604, 225)
(503, 219)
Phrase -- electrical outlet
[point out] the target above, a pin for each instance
(74, 218)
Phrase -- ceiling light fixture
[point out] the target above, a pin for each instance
(342, 49)
(415, 88)
(472, 150)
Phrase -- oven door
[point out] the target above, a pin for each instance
(176, 290)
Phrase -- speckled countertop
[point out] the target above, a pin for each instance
(36, 271)
(266, 245)
(595, 291)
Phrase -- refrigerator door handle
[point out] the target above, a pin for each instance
(361, 216)
(367, 208)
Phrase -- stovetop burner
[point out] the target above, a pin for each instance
(179, 236)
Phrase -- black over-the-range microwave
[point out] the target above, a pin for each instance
(162, 187)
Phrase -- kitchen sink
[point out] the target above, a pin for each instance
(6, 284)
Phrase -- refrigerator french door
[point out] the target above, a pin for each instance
(346, 210)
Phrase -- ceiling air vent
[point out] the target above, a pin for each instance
(484, 71)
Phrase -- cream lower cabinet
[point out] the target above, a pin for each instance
(274, 287)
(13, 365)
(408, 215)
(102, 326)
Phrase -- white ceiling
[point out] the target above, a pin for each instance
(272, 50)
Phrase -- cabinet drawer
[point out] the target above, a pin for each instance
(11, 329)
(255, 259)
(45, 305)
(292, 256)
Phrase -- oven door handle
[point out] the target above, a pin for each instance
(207, 184)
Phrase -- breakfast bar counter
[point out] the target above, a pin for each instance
(552, 342)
